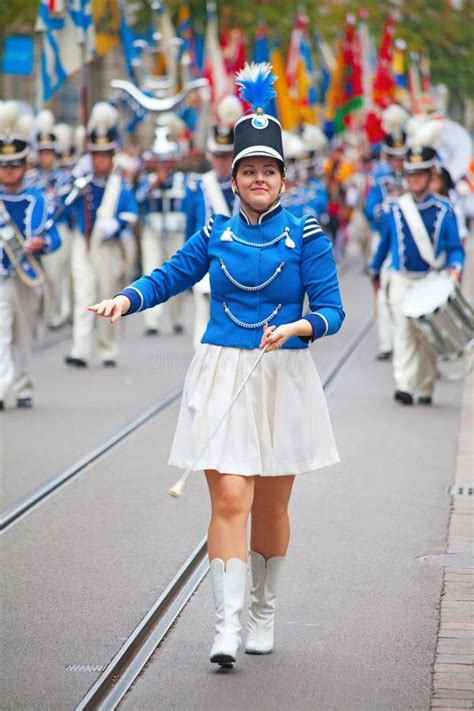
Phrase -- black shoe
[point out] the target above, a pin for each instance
(425, 400)
(2, 406)
(403, 397)
(109, 363)
(152, 332)
(76, 362)
(24, 402)
(383, 355)
(178, 329)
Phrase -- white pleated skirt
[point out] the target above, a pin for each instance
(279, 424)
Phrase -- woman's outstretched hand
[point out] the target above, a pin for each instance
(112, 308)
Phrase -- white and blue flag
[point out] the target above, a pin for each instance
(68, 40)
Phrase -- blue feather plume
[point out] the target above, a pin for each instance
(256, 84)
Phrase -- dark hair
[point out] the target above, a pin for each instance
(447, 182)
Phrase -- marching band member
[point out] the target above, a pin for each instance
(418, 232)
(101, 213)
(386, 185)
(161, 194)
(261, 263)
(211, 193)
(55, 183)
(317, 195)
(23, 214)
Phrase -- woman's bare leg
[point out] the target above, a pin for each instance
(270, 534)
(231, 500)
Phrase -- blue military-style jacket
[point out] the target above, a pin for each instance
(309, 199)
(397, 241)
(259, 274)
(126, 211)
(383, 178)
(29, 211)
(197, 208)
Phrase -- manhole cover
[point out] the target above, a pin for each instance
(451, 560)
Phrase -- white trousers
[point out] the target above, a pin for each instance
(57, 292)
(383, 319)
(18, 316)
(97, 274)
(155, 251)
(414, 359)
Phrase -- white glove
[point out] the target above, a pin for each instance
(108, 226)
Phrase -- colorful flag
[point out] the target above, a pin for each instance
(261, 53)
(326, 65)
(107, 23)
(127, 37)
(286, 108)
(384, 83)
(334, 93)
(400, 72)
(300, 71)
(366, 65)
(234, 51)
(68, 41)
(214, 67)
(351, 94)
(186, 33)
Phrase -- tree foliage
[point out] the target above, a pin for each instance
(430, 25)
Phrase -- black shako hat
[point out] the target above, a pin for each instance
(102, 129)
(45, 135)
(420, 158)
(257, 133)
(395, 145)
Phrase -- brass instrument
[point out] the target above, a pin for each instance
(27, 266)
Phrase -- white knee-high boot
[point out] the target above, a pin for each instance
(228, 586)
(265, 576)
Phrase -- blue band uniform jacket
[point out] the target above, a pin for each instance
(259, 274)
(397, 241)
(29, 210)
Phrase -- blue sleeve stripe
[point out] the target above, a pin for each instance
(315, 231)
(207, 229)
(316, 313)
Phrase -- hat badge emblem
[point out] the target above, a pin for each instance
(259, 121)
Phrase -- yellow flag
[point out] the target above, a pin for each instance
(287, 111)
(107, 24)
(307, 114)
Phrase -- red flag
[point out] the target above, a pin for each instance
(384, 81)
(352, 90)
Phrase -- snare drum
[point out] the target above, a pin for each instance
(436, 307)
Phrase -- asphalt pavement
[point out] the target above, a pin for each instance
(358, 608)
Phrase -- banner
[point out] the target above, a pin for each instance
(68, 41)
(18, 55)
